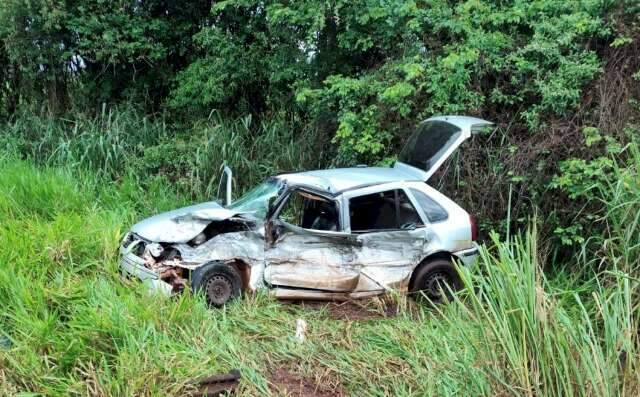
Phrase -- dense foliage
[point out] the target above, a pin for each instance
(83, 53)
(369, 68)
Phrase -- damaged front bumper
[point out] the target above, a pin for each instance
(132, 266)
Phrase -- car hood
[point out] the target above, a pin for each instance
(181, 225)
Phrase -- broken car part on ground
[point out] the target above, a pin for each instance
(215, 385)
(327, 234)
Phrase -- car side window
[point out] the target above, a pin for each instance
(389, 210)
(433, 210)
(309, 211)
(408, 217)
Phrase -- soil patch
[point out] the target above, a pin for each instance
(355, 310)
(284, 382)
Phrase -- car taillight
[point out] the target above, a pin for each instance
(474, 228)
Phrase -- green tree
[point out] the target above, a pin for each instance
(367, 70)
(96, 50)
(38, 47)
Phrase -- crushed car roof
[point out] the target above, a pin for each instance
(340, 179)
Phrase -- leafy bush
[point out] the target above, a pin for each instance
(586, 183)
(395, 62)
(79, 54)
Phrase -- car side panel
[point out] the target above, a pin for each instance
(309, 261)
(385, 260)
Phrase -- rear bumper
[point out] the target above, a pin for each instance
(132, 266)
(468, 257)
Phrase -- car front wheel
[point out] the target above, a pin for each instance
(435, 280)
(219, 283)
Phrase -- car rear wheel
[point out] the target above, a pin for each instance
(434, 281)
(219, 283)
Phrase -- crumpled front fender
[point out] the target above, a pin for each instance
(181, 225)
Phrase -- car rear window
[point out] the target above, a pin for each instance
(428, 143)
(433, 210)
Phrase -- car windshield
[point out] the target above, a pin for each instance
(256, 200)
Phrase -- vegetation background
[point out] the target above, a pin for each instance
(113, 110)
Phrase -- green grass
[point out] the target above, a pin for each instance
(71, 326)
(122, 143)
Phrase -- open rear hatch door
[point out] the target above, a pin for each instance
(434, 141)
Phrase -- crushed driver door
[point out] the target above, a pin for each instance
(304, 248)
(304, 259)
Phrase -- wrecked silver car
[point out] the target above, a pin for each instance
(327, 234)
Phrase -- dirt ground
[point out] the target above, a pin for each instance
(354, 310)
(285, 382)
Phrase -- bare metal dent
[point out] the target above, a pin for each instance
(247, 246)
(181, 225)
(370, 263)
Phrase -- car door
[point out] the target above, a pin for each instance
(390, 235)
(433, 142)
(305, 248)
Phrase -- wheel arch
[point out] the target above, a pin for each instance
(436, 255)
(243, 269)
(220, 272)
(240, 266)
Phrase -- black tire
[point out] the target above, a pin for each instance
(431, 279)
(219, 283)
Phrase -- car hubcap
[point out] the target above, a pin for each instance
(218, 289)
(436, 285)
